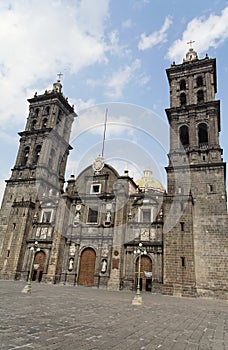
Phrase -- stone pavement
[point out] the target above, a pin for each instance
(68, 318)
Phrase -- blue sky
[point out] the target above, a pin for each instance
(113, 54)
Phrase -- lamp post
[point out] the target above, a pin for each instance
(28, 287)
(140, 251)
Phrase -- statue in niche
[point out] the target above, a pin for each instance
(104, 265)
(71, 264)
(108, 216)
(77, 217)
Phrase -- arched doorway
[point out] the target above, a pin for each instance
(145, 273)
(87, 267)
(38, 266)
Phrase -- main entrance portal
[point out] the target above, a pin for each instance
(87, 267)
(38, 266)
(145, 274)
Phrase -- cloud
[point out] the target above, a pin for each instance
(38, 39)
(120, 79)
(138, 4)
(212, 31)
(88, 131)
(127, 24)
(91, 121)
(81, 104)
(7, 138)
(144, 80)
(114, 47)
(160, 36)
(91, 16)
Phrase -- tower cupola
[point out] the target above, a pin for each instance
(191, 55)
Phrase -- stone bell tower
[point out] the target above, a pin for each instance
(37, 175)
(195, 246)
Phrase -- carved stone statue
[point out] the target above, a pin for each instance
(77, 217)
(108, 216)
(104, 265)
(71, 264)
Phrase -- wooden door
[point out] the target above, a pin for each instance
(87, 267)
(38, 266)
(146, 266)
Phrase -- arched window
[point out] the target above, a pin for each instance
(37, 111)
(202, 134)
(182, 99)
(36, 154)
(33, 124)
(182, 84)
(25, 156)
(184, 135)
(47, 110)
(199, 81)
(59, 116)
(200, 96)
(44, 123)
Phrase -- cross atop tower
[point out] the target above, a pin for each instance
(59, 75)
(58, 86)
(190, 43)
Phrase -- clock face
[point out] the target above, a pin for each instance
(98, 164)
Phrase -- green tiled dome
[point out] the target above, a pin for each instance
(148, 182)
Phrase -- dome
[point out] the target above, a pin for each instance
(191, 55)
(147, 182)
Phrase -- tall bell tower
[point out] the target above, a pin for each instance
(37, 176)
(194, 257)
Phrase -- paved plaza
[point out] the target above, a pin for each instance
(68, 318)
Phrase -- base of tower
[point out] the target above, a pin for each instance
(179, 290)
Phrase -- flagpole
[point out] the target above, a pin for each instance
(106, 115)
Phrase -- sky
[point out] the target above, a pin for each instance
(113, 55)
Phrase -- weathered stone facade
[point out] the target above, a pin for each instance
(195, 249)
(89, 233)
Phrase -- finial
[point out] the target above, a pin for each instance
(59, 75)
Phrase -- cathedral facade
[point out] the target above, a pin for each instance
(106, 230)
